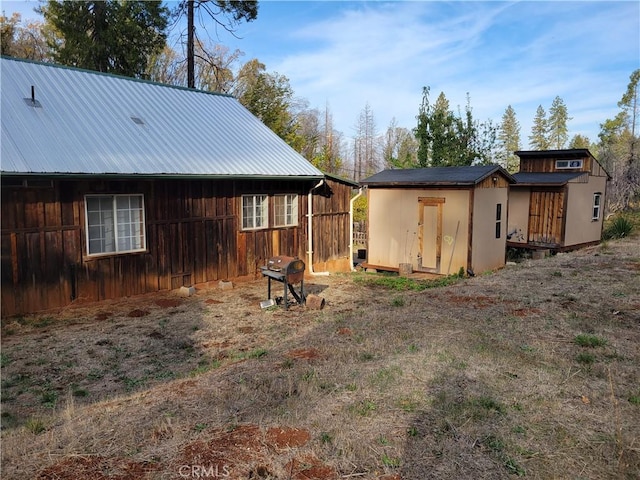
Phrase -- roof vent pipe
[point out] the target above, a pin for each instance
(33, 94)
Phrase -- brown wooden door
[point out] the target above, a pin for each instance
(546, 218)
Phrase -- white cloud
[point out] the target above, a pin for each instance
(500, 53)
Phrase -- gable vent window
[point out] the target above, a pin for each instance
(564, 164)
(115, 224)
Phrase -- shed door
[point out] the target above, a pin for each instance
(546, 217)
(430, 233)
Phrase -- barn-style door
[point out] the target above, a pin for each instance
(430, 233)
(546, 217)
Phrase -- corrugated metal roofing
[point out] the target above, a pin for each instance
(92, 123)
(557, 178)
(434, 176)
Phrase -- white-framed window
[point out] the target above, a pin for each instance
(115, 224)
(562, 164)
(255, 212)
(597, 199)
(285, 210)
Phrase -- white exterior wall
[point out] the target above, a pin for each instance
(580, 228)
(519, 214)
(489, 251)
(393, 227)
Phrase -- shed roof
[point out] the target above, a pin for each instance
(85, 122)
(546, 179)
(560, 154)
(435, 176)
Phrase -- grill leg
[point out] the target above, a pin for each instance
(286, 302)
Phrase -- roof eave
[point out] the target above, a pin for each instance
(160, 176)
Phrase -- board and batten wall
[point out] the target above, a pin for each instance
(193, 236)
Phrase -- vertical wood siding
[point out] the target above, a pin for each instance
(193, 235)
(546, 217)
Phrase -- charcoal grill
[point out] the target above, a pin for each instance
(289, 271)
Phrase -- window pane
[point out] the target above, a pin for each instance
(254, 211)
(286, 210)
(115, 223)
(100, 228)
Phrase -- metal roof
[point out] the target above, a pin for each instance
(446, 176)
(86, 122)
(550, 179)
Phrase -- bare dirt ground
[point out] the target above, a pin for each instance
(531, 371)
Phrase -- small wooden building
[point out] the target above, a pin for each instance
(113, 187)
(438, 219)
(558, 200)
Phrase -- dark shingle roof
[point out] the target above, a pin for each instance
(446, 176)
(550, 179)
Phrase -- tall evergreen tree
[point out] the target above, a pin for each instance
(538, 139)
(580, 141)
(268, 96)
(446, 139)
(509, 140)
(558, 133)
(108, 36)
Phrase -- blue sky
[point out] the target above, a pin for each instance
(350, 53)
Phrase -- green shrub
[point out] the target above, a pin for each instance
(619, 227)
(586, 340)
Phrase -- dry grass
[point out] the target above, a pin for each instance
(480, 379)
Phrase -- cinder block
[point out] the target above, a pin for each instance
(187, 291)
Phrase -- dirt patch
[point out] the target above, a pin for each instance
(99, 468)
(309, 467)
(168, 302)
(281, 438)
(137, 313)
(304, 353)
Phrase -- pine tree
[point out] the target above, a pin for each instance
(107, 36)
(557, 124)
(509, 138)
(538, 139)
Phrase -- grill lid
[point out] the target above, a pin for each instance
(284, 264)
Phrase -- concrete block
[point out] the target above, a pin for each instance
(187, 291)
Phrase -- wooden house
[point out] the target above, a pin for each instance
(558, 200)
(438, 219)
(113, 187)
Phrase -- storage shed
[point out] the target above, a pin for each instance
(113, 187)
(438, 219)
(558, 200)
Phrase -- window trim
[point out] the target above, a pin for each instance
(113, 197)
(596, 207)
(294, 211)
(264, 208)
(570, 164)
